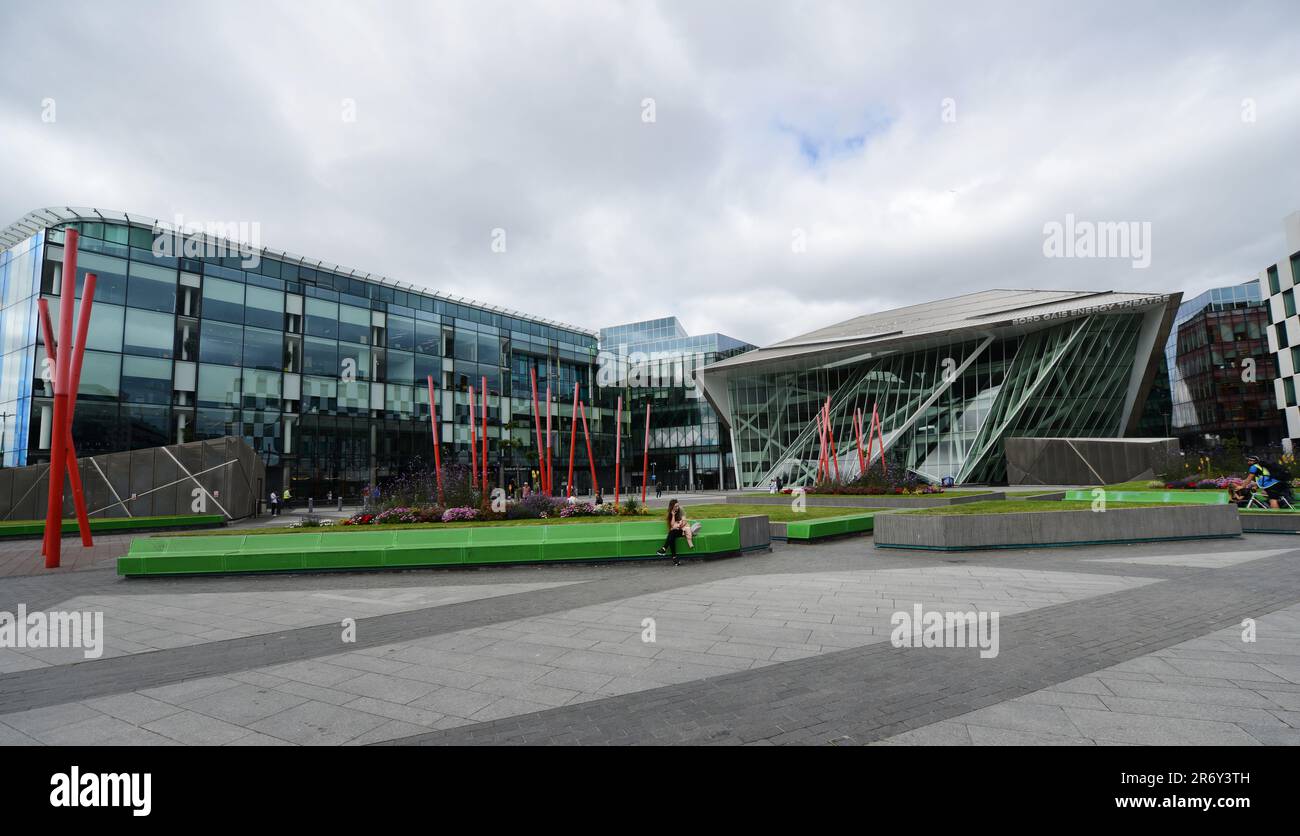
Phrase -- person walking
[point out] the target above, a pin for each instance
(676, 530)
(274, 504)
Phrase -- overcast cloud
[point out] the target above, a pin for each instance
(769, 118)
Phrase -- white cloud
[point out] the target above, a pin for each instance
(824, 117)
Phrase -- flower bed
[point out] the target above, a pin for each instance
(534, 507)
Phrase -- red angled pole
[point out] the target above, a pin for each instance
(573, 440)
(821, 445)
(550, 475)
(433, 428)
(880, 431)
(645, 461)
(618, 438)
(484, 436)
(59, 430)
(74, 382)
(591, 460)
(537, 425)
(830, 434)
(473, 440)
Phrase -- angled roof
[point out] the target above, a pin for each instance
(39, 219)
(984, 311)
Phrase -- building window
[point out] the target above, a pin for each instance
(1273, 287)
(1288, 302)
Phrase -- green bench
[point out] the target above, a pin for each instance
(414, 548)
(1197, 497)
(830, 527)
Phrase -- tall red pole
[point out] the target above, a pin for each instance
(618, 438)
(591, 460)
(52, 352)
(433, 427)
(880, 431)
(821, 446)
(59, 430)
(484, 436)
(473, 440)
(573, 440)
(645, 460)
(830, 434)
(537, 425)
(550, 476)
(74, 382)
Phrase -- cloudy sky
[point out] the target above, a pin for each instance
(804, 162)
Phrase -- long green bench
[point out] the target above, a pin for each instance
(410, 548)
(106, 525)
(1197, 497)
(830, 527)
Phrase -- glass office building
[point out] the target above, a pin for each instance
(320, 368)
(1221, 371)
(656, 362)
(950, 380)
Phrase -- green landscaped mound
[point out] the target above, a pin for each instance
(868, 496)
(106, 525)
(808, 530)
(381, 547)
(774, 513)
(1030, 506)
(1206, 497)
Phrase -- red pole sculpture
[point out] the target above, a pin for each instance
(550, 476)
(591, 460)
(830, 434)
(537, 425)
(433, 426)
(618, 438)
(473, 441)
(52, 352)
(573, 440)
(59, 433)
(484, 436)
(645, 461)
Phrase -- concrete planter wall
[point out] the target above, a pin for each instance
(1039, 529)
(1271, 523)
(866, 501)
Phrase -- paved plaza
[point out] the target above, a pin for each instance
(1098, 645)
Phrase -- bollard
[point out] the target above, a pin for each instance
(311, 505)
(340, 502)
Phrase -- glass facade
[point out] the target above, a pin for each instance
(946, 402)
(322, 371)
(689, 446)
(1221, 371)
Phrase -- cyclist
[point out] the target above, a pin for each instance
(1258, 474)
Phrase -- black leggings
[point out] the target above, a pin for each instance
(670, 543)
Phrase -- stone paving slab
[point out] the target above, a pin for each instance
(509, 668)
(788, 647)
